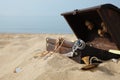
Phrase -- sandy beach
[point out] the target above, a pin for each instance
(18, 51)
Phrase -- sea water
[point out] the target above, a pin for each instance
(34, 24)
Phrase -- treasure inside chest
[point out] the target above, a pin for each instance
(99, 27)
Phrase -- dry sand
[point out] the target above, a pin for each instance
(18, 51)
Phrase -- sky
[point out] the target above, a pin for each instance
(41, 16)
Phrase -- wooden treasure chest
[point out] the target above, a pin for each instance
(99, 27)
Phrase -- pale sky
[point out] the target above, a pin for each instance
(22, 12)
(46, 7)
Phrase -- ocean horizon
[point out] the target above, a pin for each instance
(34, 24)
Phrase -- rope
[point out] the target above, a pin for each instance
(58, 45)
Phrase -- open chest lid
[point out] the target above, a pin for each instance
(105, 19)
